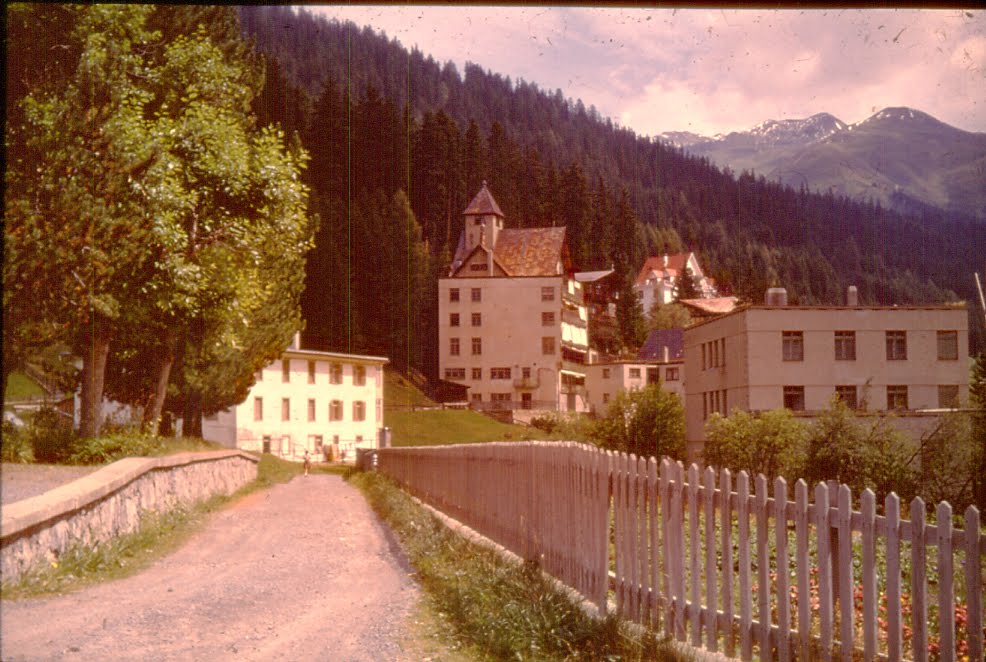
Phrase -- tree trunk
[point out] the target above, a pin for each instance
(152, 415)
(93, 378)
(192, 420)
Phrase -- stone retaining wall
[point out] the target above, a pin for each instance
(111, 502)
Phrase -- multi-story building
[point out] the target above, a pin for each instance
(659, 280)
(513, 325)
(605, 380)
(901, 359)
(307, 400)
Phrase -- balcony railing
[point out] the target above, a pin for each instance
(526, 382)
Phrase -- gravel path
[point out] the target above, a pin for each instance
(302, 571)
(21, 481)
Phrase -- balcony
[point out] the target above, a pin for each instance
(572, 366)
(577, 298)
(526, 382)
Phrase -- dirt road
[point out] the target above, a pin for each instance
(303, 571)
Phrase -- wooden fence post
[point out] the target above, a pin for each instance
(946, 595)
(726, 512)
(711, 631)
(745, 595)
(783, 570)
(868, 512)
(894, 637)
(825, 565)
(846, 607)
(919, 605)
(973, 584)
(763, 567)
(694, 613)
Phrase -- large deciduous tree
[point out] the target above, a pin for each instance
(148, 209)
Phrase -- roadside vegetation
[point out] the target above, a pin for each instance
(496, 609)
(123, 556)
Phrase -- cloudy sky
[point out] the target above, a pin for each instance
(711, 70)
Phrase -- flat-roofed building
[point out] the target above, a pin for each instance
(605, 380)
(307, 400)
(901, 359)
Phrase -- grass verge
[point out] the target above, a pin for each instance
(123, 556)
(500, 610)
(438, 427)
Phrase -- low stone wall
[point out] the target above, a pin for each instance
(111, 502)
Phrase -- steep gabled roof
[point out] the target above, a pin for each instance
(532, 251)
(676, 265)
(483, 204)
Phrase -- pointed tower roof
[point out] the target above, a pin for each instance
(483, 204)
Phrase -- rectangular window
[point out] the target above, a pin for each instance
(359, 375)
(547, 319)
(705, 406)
(499, 373)
(335, 373)
(379, 409)
(725, 407)
(948, 395)
(258, 409)
(948, 345)
(845, 345)
(605, 373)
(671, 375)
(547, 294)
(455, 373)
(847, 393)
(311, 410)
(794, 345)
(453, 294)
(715, 353)
(794, 398)
(453, 319)
(286, 370)
(477, 397)
(548, 345)
(634, 373)
(525, 373)
(896, 345)
(477, 373)
(335, 410)
(359, 410)
(285, 409)
(311, 372)
(722, 362)
(705, 364)
(897, 397)
(477, 294)
(478, 266)
(477, 346)
(477, 319)
(605, 398)
(453, 346)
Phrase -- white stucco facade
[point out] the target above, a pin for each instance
(307, 400)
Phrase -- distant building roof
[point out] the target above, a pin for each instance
(653, 347)
(672, 265)
(719, 306)
(483, 204)
(592, 276)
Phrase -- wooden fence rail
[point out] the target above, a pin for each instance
(702, 556)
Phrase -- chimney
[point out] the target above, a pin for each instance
(852, 296)
(665, 261)
(296, 341)
(666, 354)
(776, 296)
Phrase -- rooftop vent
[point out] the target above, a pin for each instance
(852, 296)
(776, 296)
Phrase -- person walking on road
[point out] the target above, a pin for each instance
(308, 463)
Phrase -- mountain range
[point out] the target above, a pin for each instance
(900, 157)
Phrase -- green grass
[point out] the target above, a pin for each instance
(21, 387)
(123, 556)
(494, 608)
(451, 426)
(400, 393)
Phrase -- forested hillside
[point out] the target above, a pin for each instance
(399, 143)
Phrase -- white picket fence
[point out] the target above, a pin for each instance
(696, 553)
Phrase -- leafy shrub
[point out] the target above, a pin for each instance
(115, 446)
(50, 436)
(548, 423)
(647, 422)
(16, 447)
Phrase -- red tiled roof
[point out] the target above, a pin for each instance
(531, 251)
(483, 204)
(674, 266)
